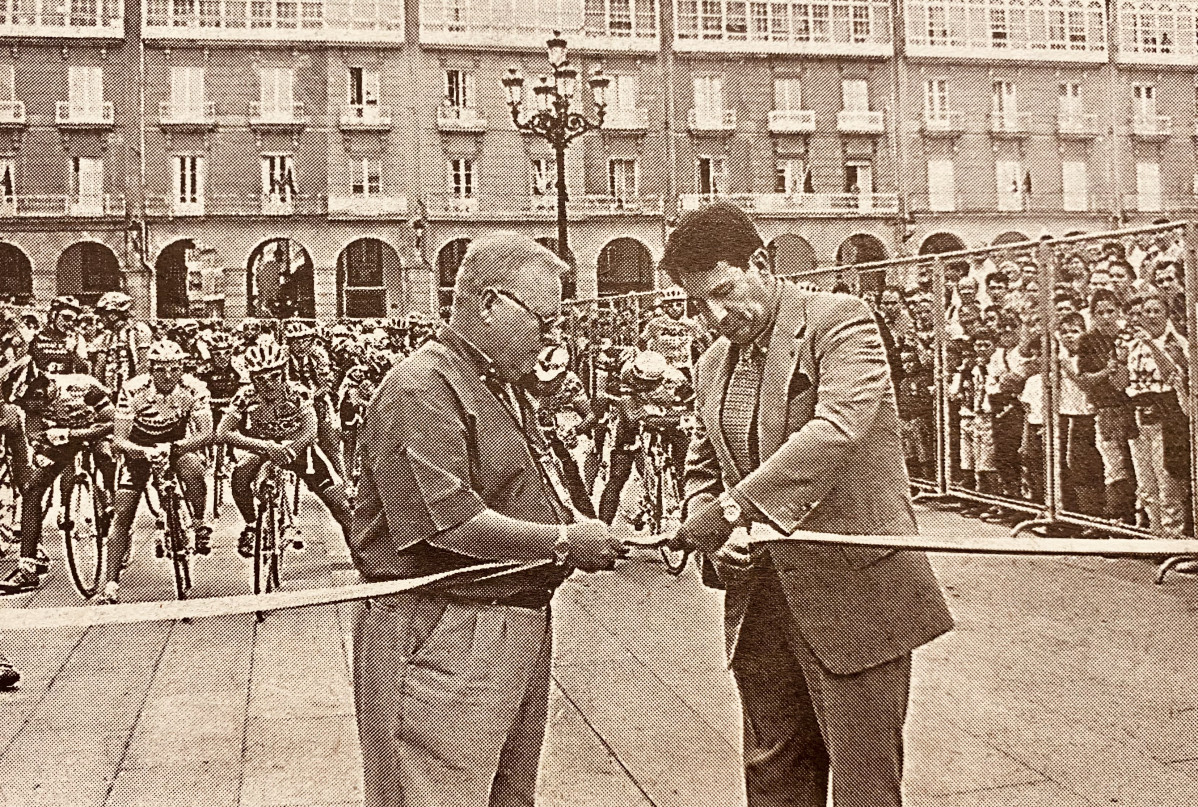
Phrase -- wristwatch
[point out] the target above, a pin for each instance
(561, 549)
(732, 510)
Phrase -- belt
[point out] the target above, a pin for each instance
(534, 599)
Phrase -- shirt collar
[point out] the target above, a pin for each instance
(479, 361)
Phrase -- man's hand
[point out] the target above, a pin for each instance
(735, 557)
(594, 547)
(279, 454)
(705, 529)
(57, 436)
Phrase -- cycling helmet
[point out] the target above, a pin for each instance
(647, 368)
(65, 303)
(164, 350)
(219, 341)
(265, 356)
(297, 329)
(674, 295)
(114, 301)
(552, 363)
(417, 319)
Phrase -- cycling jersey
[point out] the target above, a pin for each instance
(72, 401)
(159, 418)
(673, 338)
(116, 359)
(56, 352)
(264, 419)
(560, 395)
(311, 370)
(222, 383)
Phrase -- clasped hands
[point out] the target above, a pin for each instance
(707, 530)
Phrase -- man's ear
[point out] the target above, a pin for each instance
(485, 302)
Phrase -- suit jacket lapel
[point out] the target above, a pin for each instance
(713, 404)
(781, 359)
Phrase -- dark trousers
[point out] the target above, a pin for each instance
(802, 722)
(572, 477)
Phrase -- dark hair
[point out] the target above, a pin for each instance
(1072, 318)
(1063, 296)
(997, 275)
(1007, 319)
(1104, 296)
(718, 232)
(1123, 262)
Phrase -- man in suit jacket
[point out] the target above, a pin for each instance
(801, 431)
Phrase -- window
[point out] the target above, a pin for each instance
(278, 178)
(709, 95)
(8, 92)
(542, 176)
(188, 183)
(365, 176)
(942, 186)
(1148, 187)
(1039, 26)
(622, 179)
(1073, 183)
(935, 99)
(855, 94)
(1070, 100)
(85, 91)
(187, 92)
(363, 88)
(621, 92)
(8, 188)
(461, 178)
(459, 89)
(277, 91)
(713, 175)
(788, 93)
(622, 18)
(998, 27)
(1003, 103)
(1009, 185)
(1143, 100)
(364, 293)
(87, 185)
(792, 176)
(859, 177)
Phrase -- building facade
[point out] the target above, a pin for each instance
(335, 157)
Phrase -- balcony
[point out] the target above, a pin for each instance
(711, 120)
(943, 123)
(860, 121)
(625, 120)
(801, 204)
(365, 118)
(460, 119)
(61, 205)
(618, 205)
(367, 207)
(266, 21)
(452, 204)
(279, 117)
(75, 115)
(187, 117)
(1150, 128)
(1074, 126)
(791, 121)
(63, 21)
(269, 204)
(12, 114)
(1010, 125)
(517, 27)
(171, 207)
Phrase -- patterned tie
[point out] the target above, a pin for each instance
(740, 406)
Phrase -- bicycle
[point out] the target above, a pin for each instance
(218, 479)
(10, 499)
(175, 515)
(84, 520)
(275, 530)
(662, 499)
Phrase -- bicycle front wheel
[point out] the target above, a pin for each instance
(177, 544)
(264, 545)
(82, 537)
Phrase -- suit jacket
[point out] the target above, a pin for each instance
(832, 461)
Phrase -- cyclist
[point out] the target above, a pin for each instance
(308, 365)
(221, 378)
(123, 342)
(162, 416)
(675, 335)
(418, 329)
(655, 399)
(186, 334)
(64, 414)
(58, 348)
(352, 399)
(558, 390)
(274, 419)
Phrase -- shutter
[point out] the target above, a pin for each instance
(942, 186)
(370, 87)
(855, 94)
(1006, 180)
(91, 178)
(468, 99)
(1148, 187)
(626, 92)
(268, 188)
(287, 89)
(1073, 181)
(268, 92)
(7, 91)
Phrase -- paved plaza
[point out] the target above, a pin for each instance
(1067, 682)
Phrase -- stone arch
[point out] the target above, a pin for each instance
(449, 260)
(1009, 237)
(362, 268)
(625, 265)
(87, 269)
(862, 248)
(16, 274)
(280, 280)
(791, 254)
(177, 294)
(938, 243)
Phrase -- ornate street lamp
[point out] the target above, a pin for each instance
(552, 119)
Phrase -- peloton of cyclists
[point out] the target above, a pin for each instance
(122, 345)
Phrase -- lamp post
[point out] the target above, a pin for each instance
(552, 119)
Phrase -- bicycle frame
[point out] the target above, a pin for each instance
(275, 523)
(174, 508)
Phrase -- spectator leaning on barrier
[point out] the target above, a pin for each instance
(1081, 465)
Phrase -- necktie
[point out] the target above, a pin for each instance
(740, 406)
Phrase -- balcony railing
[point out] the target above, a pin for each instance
(272, 21)
(626, 120)
(943, 123)
(860, 121)
(277, 116)
(97, 115)
(201, 116)
(791, 121)
(157, 205)
(1010, 124)
(711, 120)
(512, 26)
(1150, 127)
(59, 20)
(1077, 126)
(618, 205)
(270, 204)
(460, 119)
(801, 203)
(60, 205)
(12, 113)
(350, 206)
(452, 204)
(365, 117)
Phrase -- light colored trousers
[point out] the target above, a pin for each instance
(452, 700)
(1160, 493)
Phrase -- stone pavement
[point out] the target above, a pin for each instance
(1068, 682)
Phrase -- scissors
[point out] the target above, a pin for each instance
(675, 562)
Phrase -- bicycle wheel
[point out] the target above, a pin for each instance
(176, 543)
(82, 538)
(264, 540)
(218, 484)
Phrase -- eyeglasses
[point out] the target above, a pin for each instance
(268, 376)
(547, 323)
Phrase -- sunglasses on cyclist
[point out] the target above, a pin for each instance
(547, 323)
(268, 376)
